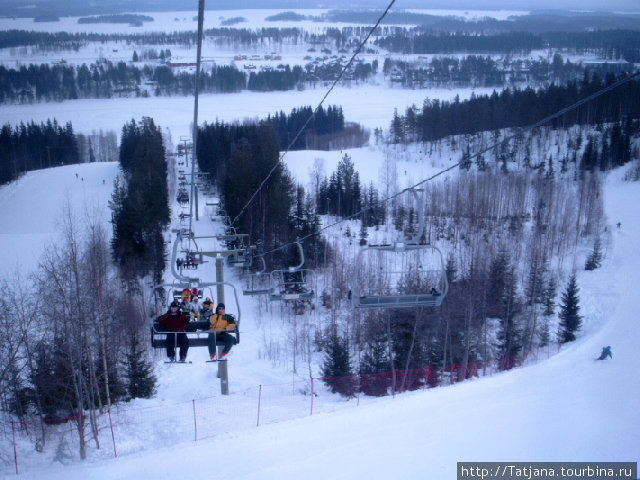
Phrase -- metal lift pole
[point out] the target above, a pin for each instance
(194, 143)
(222, 366)
(223, 372)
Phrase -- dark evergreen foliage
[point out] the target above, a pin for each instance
(375, 361)
(337, 371)
(269, 80)
(595, 258)
(503, 303)
(51, 382)
(342, 195)
(519, 108)
(32, 147)
(570, 318)
(325, 122)
(141, 381)
(549, 297)
(141, 205)
(239, 158)
(612, 43)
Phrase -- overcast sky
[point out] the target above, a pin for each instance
(139, 5)
(629, 5)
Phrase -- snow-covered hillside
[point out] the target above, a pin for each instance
(567, 408)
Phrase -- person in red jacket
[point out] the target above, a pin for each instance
(176, 321)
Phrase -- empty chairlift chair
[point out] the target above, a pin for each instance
(399, 276)
(258, 283)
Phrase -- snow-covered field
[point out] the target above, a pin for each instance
(371, 106)
(187, 20)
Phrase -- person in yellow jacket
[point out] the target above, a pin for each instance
(220, 325)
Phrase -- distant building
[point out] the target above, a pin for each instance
(615, 66)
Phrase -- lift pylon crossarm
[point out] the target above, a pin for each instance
(222, 253)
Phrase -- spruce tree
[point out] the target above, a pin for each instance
(141, 382)
(570, 318)
(375, 360)
(595, 259)
(549, 298)
(337, 371)
(363, 234)
(543, 333)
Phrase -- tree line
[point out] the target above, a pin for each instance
(35, 146)
(239, 158)
(519, 108)
(62, 40)
(46, 82)
(35, 83)
(479, 71)
(327, 121)
(140, 203)
(609, 44)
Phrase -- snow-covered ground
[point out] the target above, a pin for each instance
(371, 106)
(187, 20)
(566, 408)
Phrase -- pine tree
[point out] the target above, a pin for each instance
(141, 382)
(451, 269)
(375, 361)
(549, 298)
(595, 259)
(503, 303)
(570, 318)
(544, 335)
(363, 234)
(337, 371)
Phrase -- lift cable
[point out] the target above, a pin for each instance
(313, 114)
(539, 123)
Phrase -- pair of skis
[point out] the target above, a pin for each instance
(216, 360)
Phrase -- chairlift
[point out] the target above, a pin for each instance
(197, 330)
(294, 283)
(399, 276)
(190, 261)
(183, 196)
(403, 275)
(241, 257)
(258, 283)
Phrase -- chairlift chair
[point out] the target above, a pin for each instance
(294, 283)
(399, 276)
(197, 330)
(258, 283)
(241, 256)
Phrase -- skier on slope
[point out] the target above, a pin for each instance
(606, 352)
